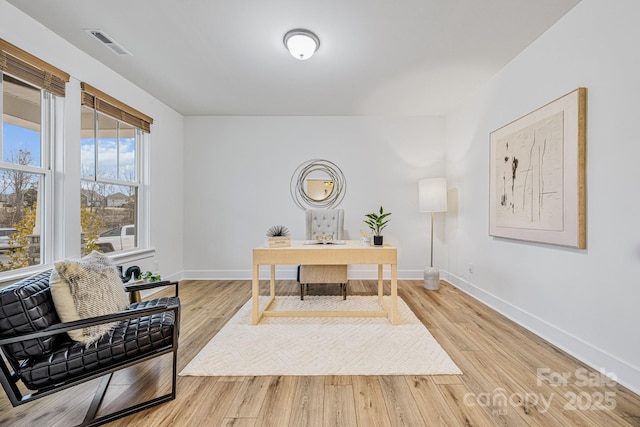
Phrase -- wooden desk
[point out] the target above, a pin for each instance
(300, 254)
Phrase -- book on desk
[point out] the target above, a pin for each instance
(325, 242)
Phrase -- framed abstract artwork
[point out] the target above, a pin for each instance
(537, 174)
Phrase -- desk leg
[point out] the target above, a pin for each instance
(380, 282)
(394, 294)
(255, 294)
(273, 281)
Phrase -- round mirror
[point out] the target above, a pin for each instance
(318, 184)
(319, 189)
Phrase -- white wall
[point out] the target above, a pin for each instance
(585, 301)
(166, 137)
(238, 172)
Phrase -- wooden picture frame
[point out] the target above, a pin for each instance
(537, 174)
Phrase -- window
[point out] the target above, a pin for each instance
(22, 175)
(109, 186)
(28, 117)
(111, 144)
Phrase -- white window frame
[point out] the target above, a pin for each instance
(51, 121)
(143, 249)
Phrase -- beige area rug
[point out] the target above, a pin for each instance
(322, 346)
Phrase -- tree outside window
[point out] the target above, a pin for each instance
(21, 174)
(109, 188)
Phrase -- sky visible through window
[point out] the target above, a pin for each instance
(17, 138)
(108, 154)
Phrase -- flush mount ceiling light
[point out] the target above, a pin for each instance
(302, 44)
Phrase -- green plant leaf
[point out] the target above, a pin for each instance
(377, 221)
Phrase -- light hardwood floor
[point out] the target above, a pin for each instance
(511, 377)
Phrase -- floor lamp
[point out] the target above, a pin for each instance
(432, 196)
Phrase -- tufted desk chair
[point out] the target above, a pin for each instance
(324, 222)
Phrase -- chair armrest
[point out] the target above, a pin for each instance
(93, 321)
(150, 285)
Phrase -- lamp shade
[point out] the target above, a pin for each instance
(432, 194)
(301, 43)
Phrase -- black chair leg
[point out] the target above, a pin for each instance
(302, 291)
(97, 399)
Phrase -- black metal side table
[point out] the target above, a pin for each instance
(135, 288)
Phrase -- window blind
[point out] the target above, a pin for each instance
(110, 106)
(31, 69)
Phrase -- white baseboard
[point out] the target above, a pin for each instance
(622, 372)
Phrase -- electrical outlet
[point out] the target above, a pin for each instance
(470, 268)
(156, 265)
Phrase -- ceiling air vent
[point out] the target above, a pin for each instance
(106, 40)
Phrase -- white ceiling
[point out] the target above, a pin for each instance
(377, 57)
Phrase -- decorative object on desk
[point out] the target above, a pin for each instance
(320, 240)
(537, 174)
(317, 183)
(377, 221)
(324, 238)
(366, 240)
(322, 345)
(148, 276)
(432, 197)
(278, 231)
(277, 236)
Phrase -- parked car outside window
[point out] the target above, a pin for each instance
(5, 237)
(117, 239)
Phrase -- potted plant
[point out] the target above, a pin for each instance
(377, 221)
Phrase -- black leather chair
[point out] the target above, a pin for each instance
(39, 355)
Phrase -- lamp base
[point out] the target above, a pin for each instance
(431, 278)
